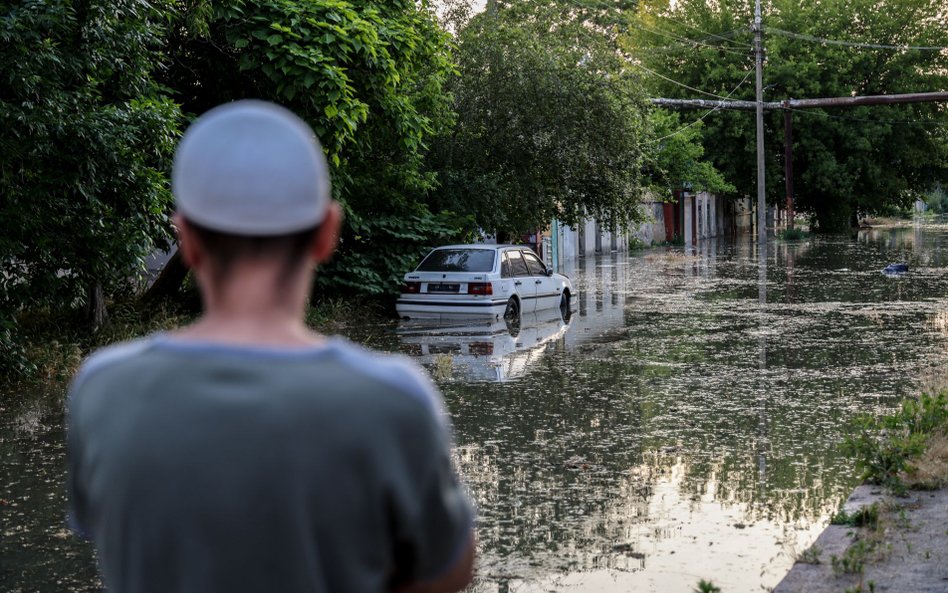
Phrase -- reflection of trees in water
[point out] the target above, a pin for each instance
(570, 462)
(563, 466)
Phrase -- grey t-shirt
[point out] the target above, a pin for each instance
(203, 468)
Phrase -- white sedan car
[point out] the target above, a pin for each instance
(486, 280)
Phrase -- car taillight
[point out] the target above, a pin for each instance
(411, 287)
(480, 288)
(481, 348)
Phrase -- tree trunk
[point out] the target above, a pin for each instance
(169, 281)
(97, 313)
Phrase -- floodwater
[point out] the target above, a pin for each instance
(682, 425)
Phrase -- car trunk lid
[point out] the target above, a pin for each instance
(444, 282)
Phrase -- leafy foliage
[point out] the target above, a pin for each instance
(549, 120)
(677, 156)
(706, 587)
(847, 161)
(937, 199)
(87, 138)
(379, 250)
(369, 77)
(884, 448)
(864, 516)
(339, 64)
(794, 234)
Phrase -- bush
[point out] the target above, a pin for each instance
(885, 447)
(88, 135)
(794, 234)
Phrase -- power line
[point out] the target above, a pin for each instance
(682, 48)
(700, 119)
(683, 85)
(687, 41)
(722, 37)
(851, 43)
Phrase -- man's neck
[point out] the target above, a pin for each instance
(253, 308)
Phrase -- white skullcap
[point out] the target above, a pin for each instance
(251, 168)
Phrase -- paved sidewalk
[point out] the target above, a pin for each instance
(911, 557)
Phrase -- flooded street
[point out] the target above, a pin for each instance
(682, 425)
(679, 429)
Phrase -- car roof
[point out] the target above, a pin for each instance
(484, 246)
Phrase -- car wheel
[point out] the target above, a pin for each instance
(513, 310)
(564, 305)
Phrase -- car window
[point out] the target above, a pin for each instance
(534, 264)
(505, 266)
(518, 267)
(458, 260)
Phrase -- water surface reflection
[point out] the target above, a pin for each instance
(486, 350)
(685, 425)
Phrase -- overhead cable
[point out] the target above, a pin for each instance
(851, 43)
(700, 119)
(687, 41)
(722, 36)
(685, 86)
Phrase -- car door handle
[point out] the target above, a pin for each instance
(538, 281)
(518, 283)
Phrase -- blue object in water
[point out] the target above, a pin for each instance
(899, 268)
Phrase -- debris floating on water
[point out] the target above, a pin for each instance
(895, 269)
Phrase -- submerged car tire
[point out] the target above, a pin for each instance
(512, 313)
(564, 305)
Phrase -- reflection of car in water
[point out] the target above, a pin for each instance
(487, 351)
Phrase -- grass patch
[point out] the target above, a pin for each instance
(671, 256)
(811, 555)
(853, 561)
(637, 244)
(930, 470)
(676, 241)
(886, 220)
(889, 450)
(706, 587)
(871, 524)
(54, 344)
(867, 516)
(794, 234)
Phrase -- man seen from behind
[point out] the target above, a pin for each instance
(245, 453)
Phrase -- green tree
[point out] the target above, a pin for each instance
(369, 76)
(848, 161)
(676, 157)
(549, 119)
(87, 135)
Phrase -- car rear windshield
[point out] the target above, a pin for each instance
(458, 260)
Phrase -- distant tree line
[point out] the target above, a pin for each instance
(848, 162)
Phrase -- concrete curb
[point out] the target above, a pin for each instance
(913, 557)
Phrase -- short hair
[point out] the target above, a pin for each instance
(225, 249)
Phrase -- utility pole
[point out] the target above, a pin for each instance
(761, 197)
(788, 163)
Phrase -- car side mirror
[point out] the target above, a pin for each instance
(549, 271)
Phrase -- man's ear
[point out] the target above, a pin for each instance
(188, 245)
(327, 236)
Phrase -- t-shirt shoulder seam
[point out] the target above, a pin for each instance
(109, 357)
(394, 370)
